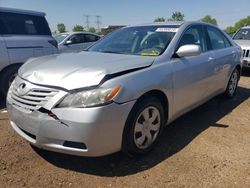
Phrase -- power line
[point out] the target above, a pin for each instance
(98, 22)
(87, 20)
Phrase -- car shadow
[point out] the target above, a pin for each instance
(175, 137)
(2, 102)
(246, 72)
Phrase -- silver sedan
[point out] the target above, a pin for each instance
(75, 41)
(121, 93)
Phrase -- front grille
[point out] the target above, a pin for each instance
(246, 53)
(34, 99)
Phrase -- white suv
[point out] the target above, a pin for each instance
(23, 34)
(242, 38)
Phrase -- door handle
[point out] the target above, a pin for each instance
(234, 54)
(210, 59)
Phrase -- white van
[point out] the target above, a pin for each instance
(23, 34)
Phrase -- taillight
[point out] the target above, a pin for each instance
(53, 42)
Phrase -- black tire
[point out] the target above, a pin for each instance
(129, 145)
(232, 85)
(7, 76)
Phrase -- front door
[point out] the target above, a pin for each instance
(190, 74)
(77, 44)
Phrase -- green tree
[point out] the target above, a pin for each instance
(159, 19)
(231, 30)
(242, 22)
(177, 16)
(99, 33)
(209, 19)
(61, 28)
(78, 28)
(92, 30)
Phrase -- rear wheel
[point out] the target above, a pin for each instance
(232, 84)
(7, 77)
(143, 126)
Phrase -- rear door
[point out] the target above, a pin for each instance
(190, 74)
(223, 54)
(26, 36)
(4, 59)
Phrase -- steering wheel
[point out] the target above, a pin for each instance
(158, 47)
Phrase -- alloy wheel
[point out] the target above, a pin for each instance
(233, 83)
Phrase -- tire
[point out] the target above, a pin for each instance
(7, 76)
(232, 84)
(142, 133)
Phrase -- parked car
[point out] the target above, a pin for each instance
(75, 41)
(122, 92)
(23, 34)
(242, 38)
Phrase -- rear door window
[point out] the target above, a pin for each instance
(21, 24)
(30, 27)
(217, 39)
(91, 38)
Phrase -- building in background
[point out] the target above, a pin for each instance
(111, 28)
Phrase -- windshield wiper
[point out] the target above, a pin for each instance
(111, 52)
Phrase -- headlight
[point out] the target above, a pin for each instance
(90, 98)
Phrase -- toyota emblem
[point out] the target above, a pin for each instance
(22, 89)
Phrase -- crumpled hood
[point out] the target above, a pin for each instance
(243, 43)
(78, 70)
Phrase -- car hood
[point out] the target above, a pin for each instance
(79, 70)
(243, 43)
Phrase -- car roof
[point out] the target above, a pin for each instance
(171, 23)
(159, 23)
(80, 32)
(21, 11)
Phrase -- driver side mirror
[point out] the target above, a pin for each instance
(189, 50)
(68, 42)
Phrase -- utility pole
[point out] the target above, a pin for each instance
(87, 21)
(98, 22)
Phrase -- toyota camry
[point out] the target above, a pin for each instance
(122, 91)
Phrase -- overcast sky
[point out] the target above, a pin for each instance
(128, 12)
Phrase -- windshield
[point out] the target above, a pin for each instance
(60, 38)
(243, 34)
(141, 40)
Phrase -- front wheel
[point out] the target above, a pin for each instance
(7, 78)
(143, 126)
(232, 84)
